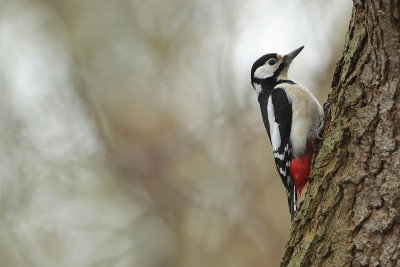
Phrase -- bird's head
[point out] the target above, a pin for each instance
(272, 67)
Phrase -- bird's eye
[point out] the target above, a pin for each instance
(272, 61)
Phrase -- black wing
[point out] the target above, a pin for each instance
(263, 100)
(282, 153)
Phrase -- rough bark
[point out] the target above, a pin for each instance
(350, 215)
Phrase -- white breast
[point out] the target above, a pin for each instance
(307, 114)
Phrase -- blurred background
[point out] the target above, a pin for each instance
(131, 136)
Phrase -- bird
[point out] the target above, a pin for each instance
(293, 118)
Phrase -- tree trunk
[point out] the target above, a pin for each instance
(350, 215)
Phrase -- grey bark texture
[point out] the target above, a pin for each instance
(350, 214)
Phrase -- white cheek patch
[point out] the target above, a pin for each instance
(265, 71)
(273, 127)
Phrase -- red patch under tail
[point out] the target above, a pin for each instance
(300, 168)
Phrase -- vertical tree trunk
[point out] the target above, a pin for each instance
(350, 215)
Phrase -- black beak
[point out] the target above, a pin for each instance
(289, 57)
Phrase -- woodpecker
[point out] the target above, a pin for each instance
(292, 117)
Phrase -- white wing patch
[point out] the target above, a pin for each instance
(279, 156)
(273, 126)
(258, 88)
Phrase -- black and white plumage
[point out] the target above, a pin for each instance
(292, 117)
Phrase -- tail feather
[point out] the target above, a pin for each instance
(292, 199)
